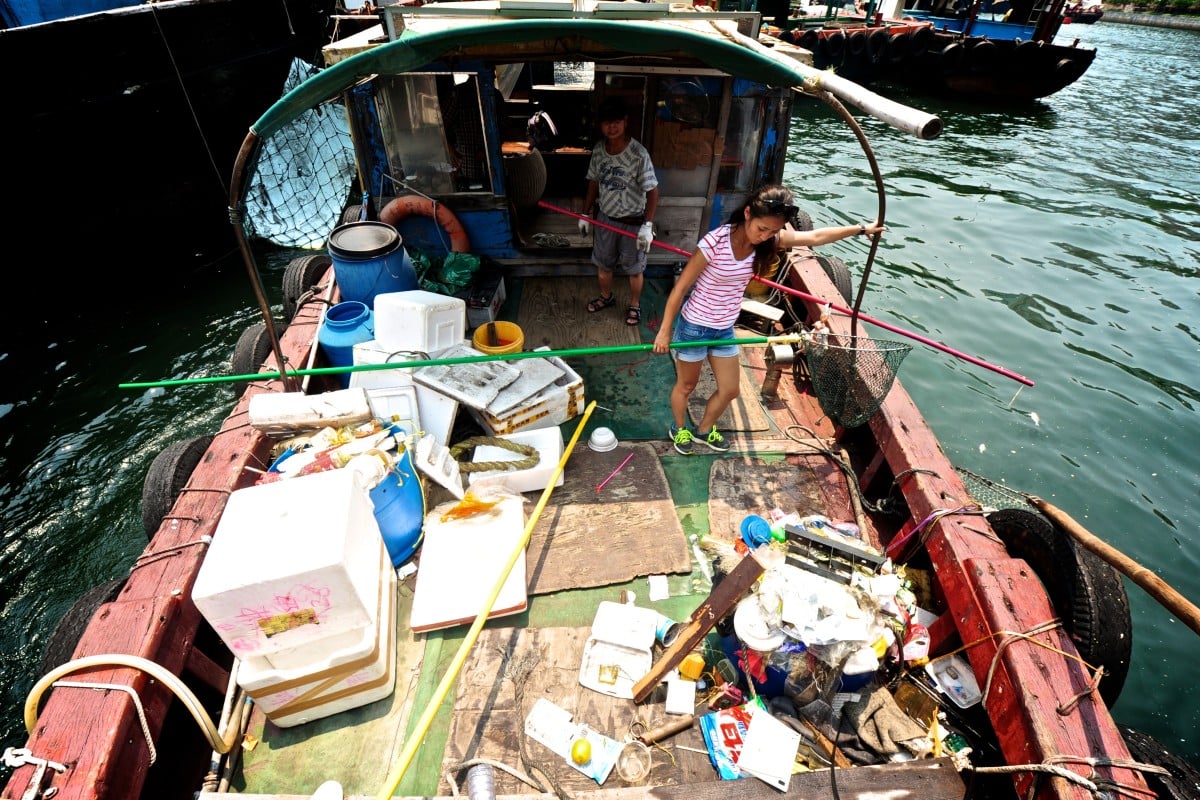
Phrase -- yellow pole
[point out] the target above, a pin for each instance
(418, 735)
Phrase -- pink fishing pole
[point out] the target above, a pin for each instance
(979, 362)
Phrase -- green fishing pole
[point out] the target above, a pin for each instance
(788, 338)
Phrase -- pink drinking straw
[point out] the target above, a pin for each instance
(620, 466)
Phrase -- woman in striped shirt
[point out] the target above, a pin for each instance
(707, 298)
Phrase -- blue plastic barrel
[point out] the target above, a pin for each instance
(369, 259)
(346, 324)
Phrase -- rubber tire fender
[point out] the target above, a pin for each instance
(898, 47)
(982, 55)
(168, 474)
(879, 44)
(921, 38)
(60, 647)
(251, 350)
(810, 40)
(1184, 781)
(301, 275)
(839, 273)
(951, 57)
(353, 213)
(1068, 69)
(835, 45)
(802, 221)
(856, 45)
(1086, 591)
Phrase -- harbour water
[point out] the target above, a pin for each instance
(1056, 240)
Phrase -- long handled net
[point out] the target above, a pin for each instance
(851, 375)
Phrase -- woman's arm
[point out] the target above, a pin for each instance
(790, 238)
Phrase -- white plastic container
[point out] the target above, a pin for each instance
(372, 352)
(358, 671)
(291, 562)
(549, 444)
(419, 320)
(561, 401)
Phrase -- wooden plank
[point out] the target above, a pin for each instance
(629, 529)
(929, 779)
(554, 313)
(720, 602)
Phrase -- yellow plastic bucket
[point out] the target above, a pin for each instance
(506, 338)
(758, 291)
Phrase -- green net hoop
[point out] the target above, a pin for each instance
(851, 375)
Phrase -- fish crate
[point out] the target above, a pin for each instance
(835, 556)
(559, 402)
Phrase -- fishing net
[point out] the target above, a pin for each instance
(992, 495)
(852, 374)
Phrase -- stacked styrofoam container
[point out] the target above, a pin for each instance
(298, 585)
(560, 401)
(419, 320)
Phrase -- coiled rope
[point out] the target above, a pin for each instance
(529, 462)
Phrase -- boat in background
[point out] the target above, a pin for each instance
(122, 120)
(977, 50)
(1077, 14)
(323, 676)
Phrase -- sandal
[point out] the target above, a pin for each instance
(633, 315)
(600, 303)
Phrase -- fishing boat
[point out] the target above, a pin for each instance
(590, 620)
(980, 51)
(150, 105)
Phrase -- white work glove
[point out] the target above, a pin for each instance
(585, 226)
(645, 236)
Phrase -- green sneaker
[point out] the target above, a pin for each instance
(683, 439)
(716, 441)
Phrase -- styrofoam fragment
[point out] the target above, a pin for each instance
(434, 459)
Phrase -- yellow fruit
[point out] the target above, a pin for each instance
(581, 751)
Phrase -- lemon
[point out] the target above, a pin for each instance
(581, 751)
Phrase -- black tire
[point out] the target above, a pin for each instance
(61, 644)
(835, 45)
(351, 214)
(802, 221)
(982, 55)
(921, 39)
(951, 58)
(1087, 592)
(810, 40)
(878, 45)
(301, 275)
(898, 48)
(856, 45)
(168, 474)
(1068, 69)
(839, 273)
(251, 350)
(1184, 781)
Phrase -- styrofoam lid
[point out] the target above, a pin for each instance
(754, 631)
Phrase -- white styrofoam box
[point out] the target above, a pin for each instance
(554, 405)
(333, 679)
(549, 444)
(437, 411)
(277, 413)
(419, 320)
(291, 562)
(397, 405)
(372, 352)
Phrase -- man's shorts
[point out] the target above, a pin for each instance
(690, 332)
(615, 252)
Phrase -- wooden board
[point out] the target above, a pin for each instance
(588, 538)
(806, 484)
(497, 691)
(554, 313)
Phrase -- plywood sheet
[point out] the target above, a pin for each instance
(628, 529)
(554, 314)
(497, 690)
(808, 484)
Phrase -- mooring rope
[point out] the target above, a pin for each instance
(529, 462)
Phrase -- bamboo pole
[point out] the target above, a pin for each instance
(787, 338)
(1155, 586)
(417, 737)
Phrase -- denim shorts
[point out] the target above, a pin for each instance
(690, 332)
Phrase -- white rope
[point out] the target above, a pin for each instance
(137, 703)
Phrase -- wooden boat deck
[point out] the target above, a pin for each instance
(536, 654)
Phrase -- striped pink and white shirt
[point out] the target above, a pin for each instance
(716, 297)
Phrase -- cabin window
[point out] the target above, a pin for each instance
(743, 138)
(433, 133)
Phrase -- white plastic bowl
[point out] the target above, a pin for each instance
(602, 440)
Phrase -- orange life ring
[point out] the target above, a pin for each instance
(404, 207)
